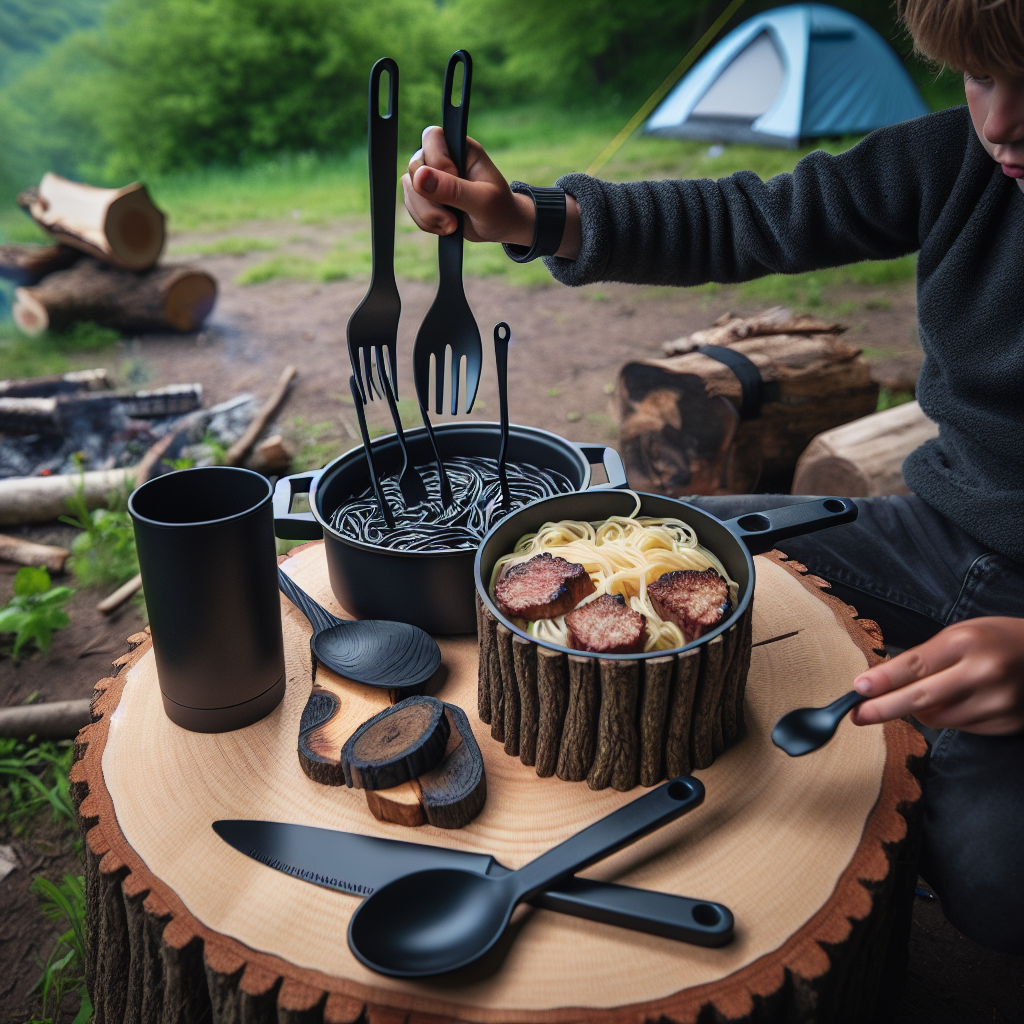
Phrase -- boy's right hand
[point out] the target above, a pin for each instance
(493, 212)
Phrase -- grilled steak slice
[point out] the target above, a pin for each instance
(694, 601)
(542, 588)
(607, 626)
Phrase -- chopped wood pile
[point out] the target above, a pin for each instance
(103, 265)
(730, 409)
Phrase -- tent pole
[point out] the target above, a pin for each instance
(656, 97)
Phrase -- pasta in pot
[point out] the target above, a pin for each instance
(622, 554)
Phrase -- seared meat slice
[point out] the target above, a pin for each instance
(607, 626)
(542, 588)
(694, 601)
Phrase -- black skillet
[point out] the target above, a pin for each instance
(734, 541)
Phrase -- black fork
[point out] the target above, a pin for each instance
(373, 327)
(449, 323)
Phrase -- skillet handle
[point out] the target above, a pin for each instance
(760, 530)
(289, 525)
(612, 462)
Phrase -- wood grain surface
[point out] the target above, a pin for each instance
(806, 852)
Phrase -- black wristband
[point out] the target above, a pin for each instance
(548, 227)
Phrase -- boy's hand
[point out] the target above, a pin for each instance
(970, 676)
(494, 213)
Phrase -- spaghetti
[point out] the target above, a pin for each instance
(623, 554)
(429, 526)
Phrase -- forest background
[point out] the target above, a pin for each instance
(112, 90)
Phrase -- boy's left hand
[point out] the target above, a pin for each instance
(970, 676)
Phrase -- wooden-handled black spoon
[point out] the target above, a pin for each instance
(389, 655)
(436, 921)
(806, 729)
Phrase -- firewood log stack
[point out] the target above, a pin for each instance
(730, 409)
(103, 265)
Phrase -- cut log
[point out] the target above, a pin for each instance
(58, 720)
(118, 225)
(72, 383)
(27, 264)
(166, 298)
(181, 927)
(864, 459)
(26, 552)
(272, 456)
(680, 423)
(616, 723)
(397, 745)
(40, 499)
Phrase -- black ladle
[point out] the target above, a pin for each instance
(382, 501)
(502, 336)
(390, 655)
(806, 729)
(436, 921)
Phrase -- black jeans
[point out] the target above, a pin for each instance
(913, 571)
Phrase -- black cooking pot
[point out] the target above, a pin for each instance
(734, 541)
(429, 589)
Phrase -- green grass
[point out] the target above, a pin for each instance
(21, 356)
(223, 247)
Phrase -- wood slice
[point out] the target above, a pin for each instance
(814, 856)
(449, 796)
(397, 745)
(165, 298)
(118, 225)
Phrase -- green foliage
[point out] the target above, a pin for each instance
(35, 611)
(50, 352)
(316, 443)
(103, 554)
(32, 778)
(888, 399)
(64, 971)
(224, 247)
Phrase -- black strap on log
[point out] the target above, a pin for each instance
(747, 373)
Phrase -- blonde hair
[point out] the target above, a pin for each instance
(976, 36)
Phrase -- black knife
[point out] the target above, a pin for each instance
(357, 865)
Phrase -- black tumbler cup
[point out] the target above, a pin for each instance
(206, 547)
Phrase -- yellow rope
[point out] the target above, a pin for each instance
(656, 97)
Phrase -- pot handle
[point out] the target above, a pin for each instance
(760, 530)
(289, 525)
(612, 462)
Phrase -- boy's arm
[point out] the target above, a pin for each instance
(876, 201)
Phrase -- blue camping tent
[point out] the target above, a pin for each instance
(797, 72)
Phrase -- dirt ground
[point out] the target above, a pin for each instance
(567, 348)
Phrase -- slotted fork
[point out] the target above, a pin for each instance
(373, 327)
(449, 323)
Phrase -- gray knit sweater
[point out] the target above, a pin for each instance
(924, 185)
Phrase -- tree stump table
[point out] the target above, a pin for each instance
(814, 855)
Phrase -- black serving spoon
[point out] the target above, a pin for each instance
(390, 655)
(806, 729)
(436, 921)
(502, 336)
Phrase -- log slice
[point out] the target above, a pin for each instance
(814, 856)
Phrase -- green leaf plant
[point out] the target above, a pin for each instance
(35, 611)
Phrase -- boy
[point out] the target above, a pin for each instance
(943, 569)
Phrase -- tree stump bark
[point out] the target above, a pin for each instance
(680, 417)
(815, 856)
